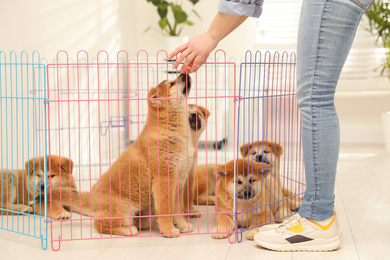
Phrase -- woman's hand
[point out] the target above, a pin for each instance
(195, 52)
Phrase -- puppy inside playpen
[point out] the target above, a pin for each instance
(252, 196)
(21, 187)
(283, 201)
(197, 121)
(156, 162)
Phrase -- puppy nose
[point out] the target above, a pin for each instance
(247, 193)
(183, 76)
(42, 186)
(259, 158)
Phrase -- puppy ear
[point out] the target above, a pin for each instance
(276, 149)
(66, 165)
(245, 149)
(222, 171)
(207, 112)
(156, 102)
(34, 164)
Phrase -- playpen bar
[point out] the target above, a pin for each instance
(268, 63)
(144, 216)
(22, 63)
(1, 146)
(16, 232)
(127, 64)
(79, 146)
(137, 236)
(137, 99)
(27, 98)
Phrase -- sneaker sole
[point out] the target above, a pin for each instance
(327, 246)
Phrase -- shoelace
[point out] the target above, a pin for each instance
(290, 223)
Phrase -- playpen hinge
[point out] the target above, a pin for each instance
(238, 98)
(239, 213)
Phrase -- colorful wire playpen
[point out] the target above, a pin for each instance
(104, 148)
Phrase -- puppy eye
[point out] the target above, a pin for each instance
(253, 153)
(51, 176)
(265, 151)
(171, 84)
(251, 180)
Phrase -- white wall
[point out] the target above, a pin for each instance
(72, 25)
(112, 25)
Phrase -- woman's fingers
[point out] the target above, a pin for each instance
(181, 57)
(198, 62)
(188, 62)
(178, 50)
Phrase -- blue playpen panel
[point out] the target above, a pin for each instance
(23, 138)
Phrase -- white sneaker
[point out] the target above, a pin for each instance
(301, 234)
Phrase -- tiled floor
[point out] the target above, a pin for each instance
(362, 203)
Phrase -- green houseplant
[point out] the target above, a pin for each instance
(173, 25)
(379, 25)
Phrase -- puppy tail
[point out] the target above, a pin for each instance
(72, 200)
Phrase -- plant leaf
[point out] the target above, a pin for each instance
(189, 22)
(163, 23)
(179, 15)
(162, 9)
(194, 1)
(155, 2)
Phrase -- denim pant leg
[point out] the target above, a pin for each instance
(326, 31)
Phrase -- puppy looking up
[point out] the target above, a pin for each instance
(197, 121)
(155, 162)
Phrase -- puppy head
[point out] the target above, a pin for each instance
(197, 118)
(35, 169)
(174, 89)
(262, 151)
(249, 177)
(61, 172)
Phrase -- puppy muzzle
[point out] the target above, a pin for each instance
(246, 194)
(187, 87)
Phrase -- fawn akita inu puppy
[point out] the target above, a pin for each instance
(270, 152)
(155, 162)
(20, 187)
(252, 196)
(60, 175)
(197, 121)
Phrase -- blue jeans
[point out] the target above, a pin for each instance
(326, 31)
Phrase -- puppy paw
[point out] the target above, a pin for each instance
(251, 233)
(145, 223)
(186, 227)
(61, 215)
(220, 231)
(27, 209)
(133, 231)
(174, 232)
(194, 213)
